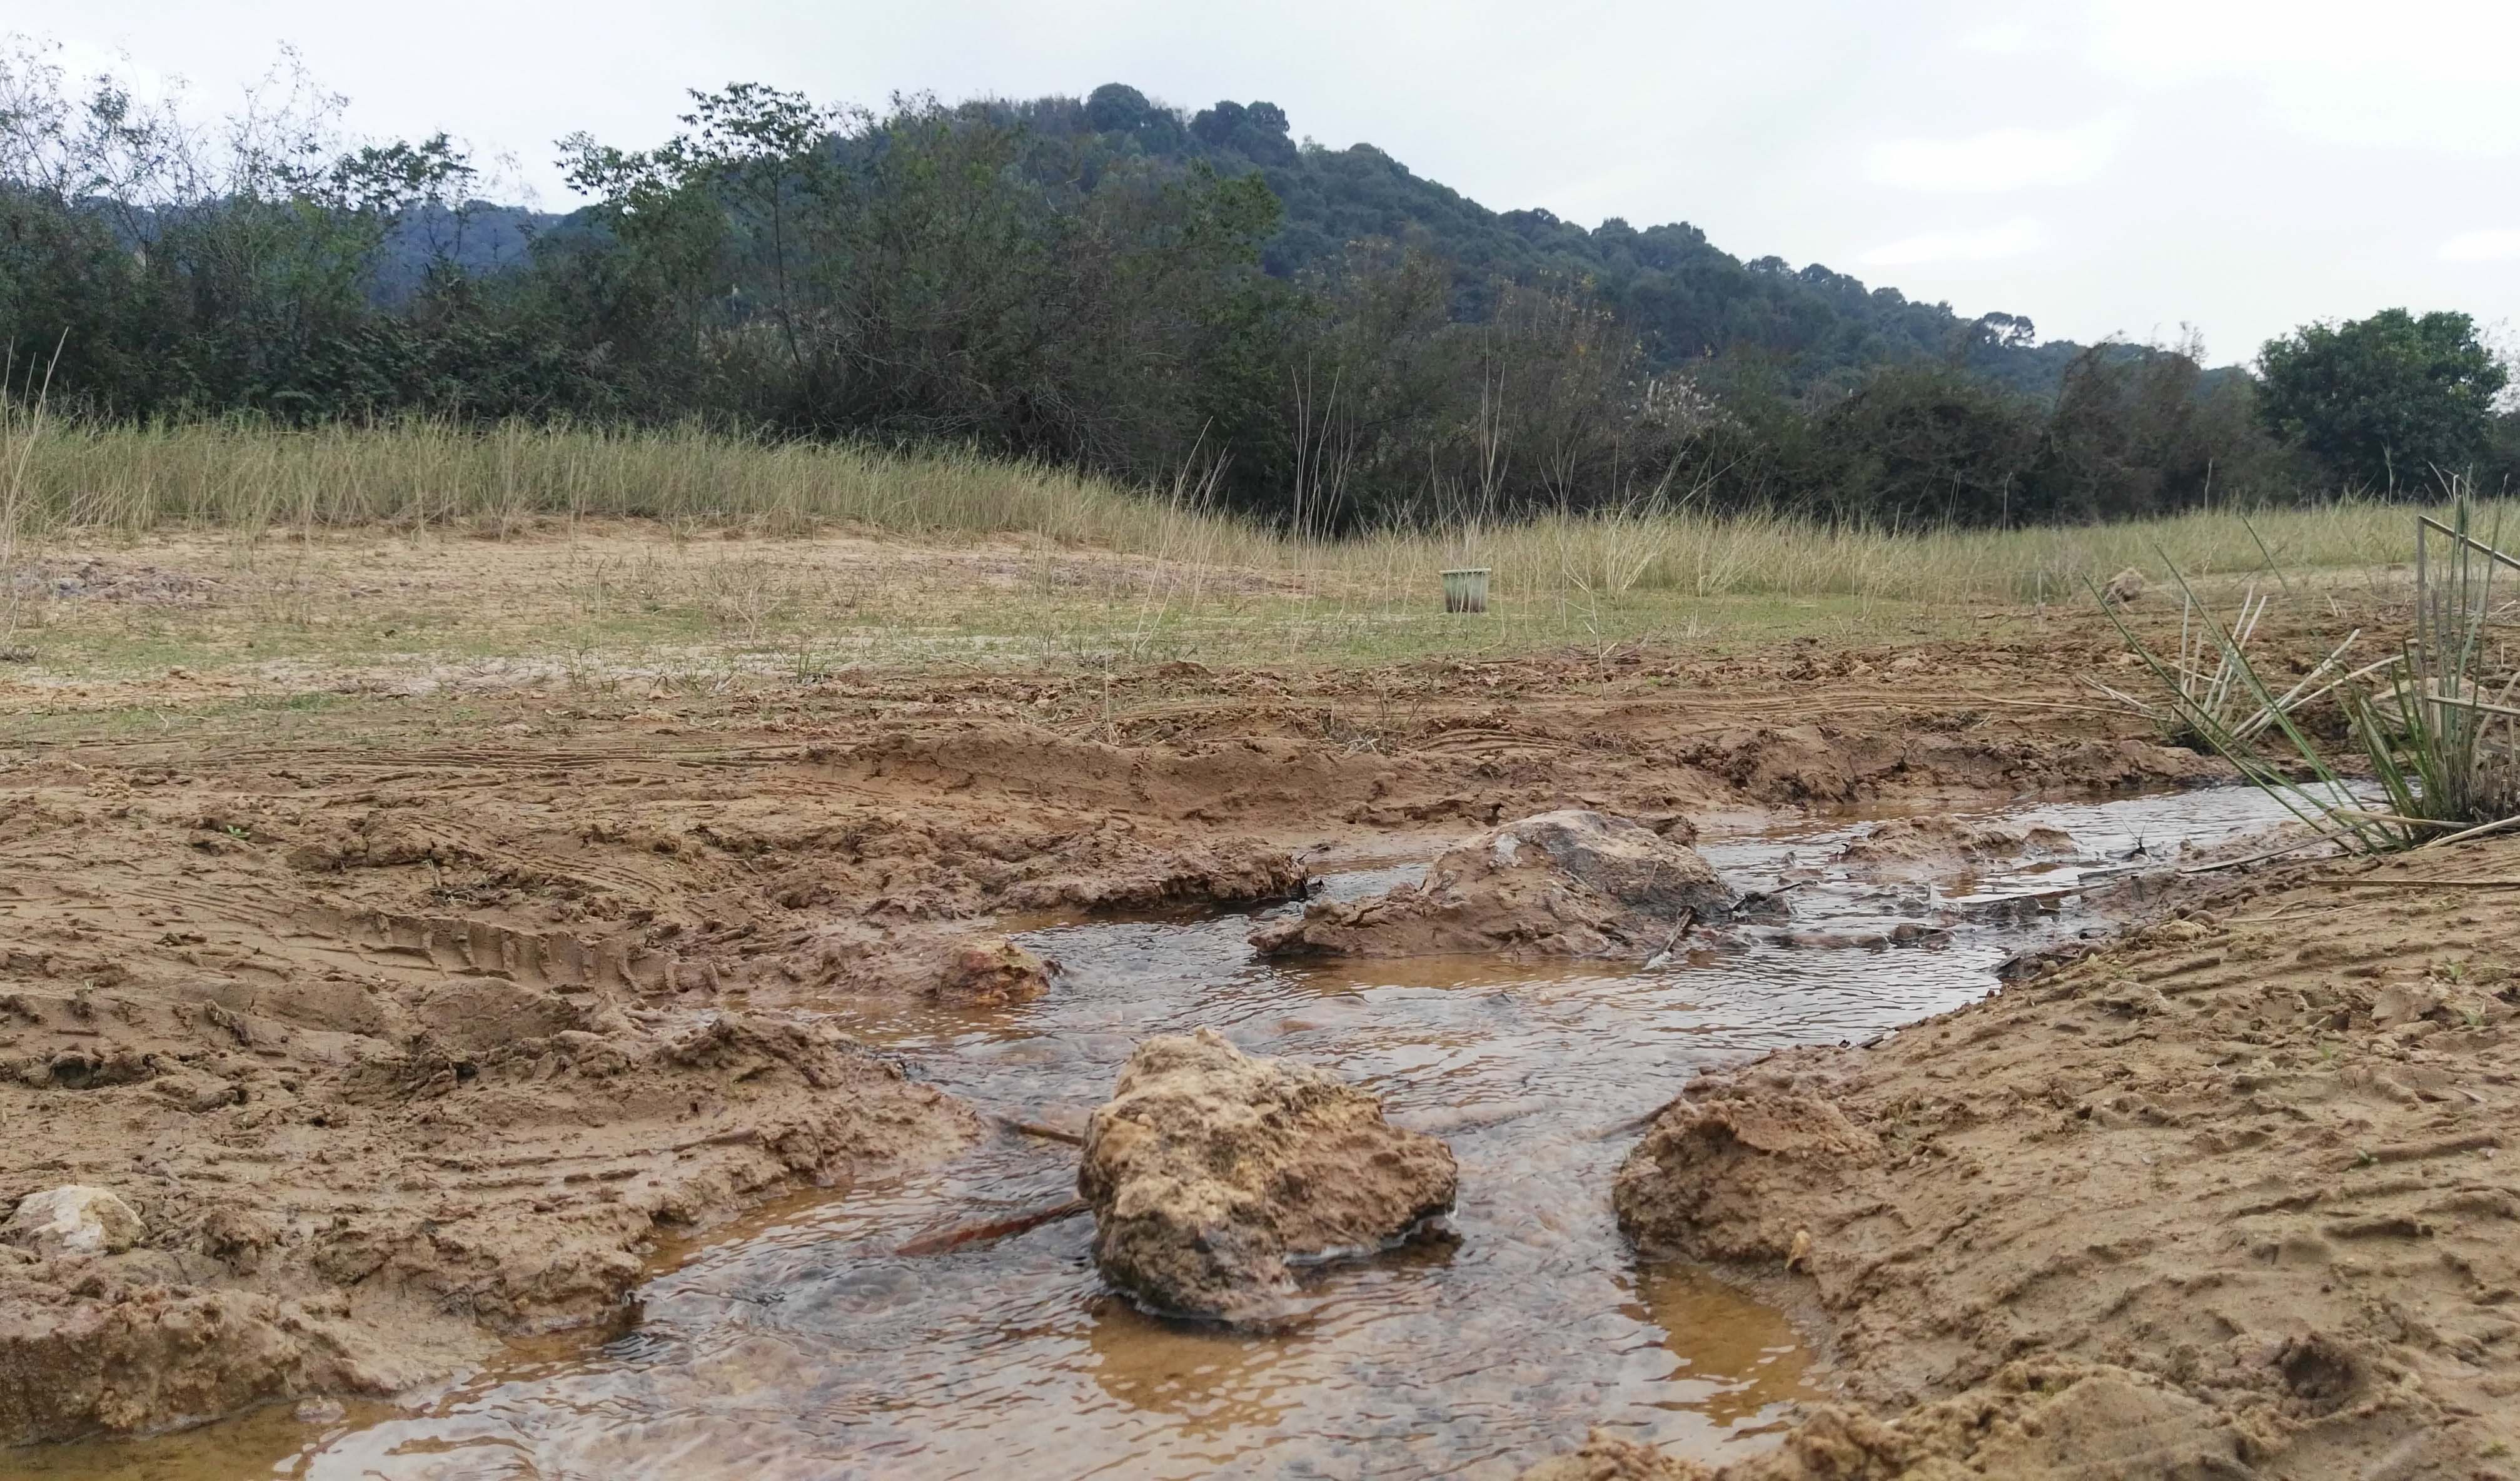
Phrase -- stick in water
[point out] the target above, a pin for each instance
(1043, 1130)
(2273, 853)
(945, 1239)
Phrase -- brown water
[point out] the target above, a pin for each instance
(798, 1345)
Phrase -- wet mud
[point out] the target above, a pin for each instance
(408, 1025)
(2228, 1197)
(803, 1342)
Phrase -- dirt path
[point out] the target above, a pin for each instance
(2232, 1196)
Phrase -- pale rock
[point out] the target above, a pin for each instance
(74, 1220)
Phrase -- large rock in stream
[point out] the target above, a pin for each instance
(1213, 1174)
(1566, 883)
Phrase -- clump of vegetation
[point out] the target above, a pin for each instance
(2438, 738)
(2443, 740)
(21, 430)
(2210, 689)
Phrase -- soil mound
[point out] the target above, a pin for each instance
(83, 1349)
(1734, 1176)
(490, 1163)
(990, 975)
(1567, 883)
(1213, 1174)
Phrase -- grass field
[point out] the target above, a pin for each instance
(686, 550)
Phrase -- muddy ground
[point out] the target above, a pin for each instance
(2234, 1195)
(408, 1019)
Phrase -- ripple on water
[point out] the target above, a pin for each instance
(802, 1346)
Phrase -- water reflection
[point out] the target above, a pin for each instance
(1214, 1382)
(1733, 1359)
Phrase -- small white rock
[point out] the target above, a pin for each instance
(75, 1220)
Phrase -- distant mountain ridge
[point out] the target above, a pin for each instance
(1689, 301)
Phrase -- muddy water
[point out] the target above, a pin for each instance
(800, 1345)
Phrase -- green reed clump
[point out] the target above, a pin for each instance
(2440, 738)
(2444, 744)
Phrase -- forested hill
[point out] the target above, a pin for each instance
(1688, 298)
(1190, 300)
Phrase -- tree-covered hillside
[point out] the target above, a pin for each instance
(1689, 301)
(1688, 298)
(1193, 299)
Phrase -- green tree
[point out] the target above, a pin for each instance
(1115, 107)
(2387, 402)
(175, 269)
(1923, 444)
(2144, 431)
(2500, 476)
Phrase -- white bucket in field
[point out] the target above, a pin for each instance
(1466, 590)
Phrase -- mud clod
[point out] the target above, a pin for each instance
(991, 975)
(1929, 845)
(1712, 1178)
(1213, 1174)
(1568, 883)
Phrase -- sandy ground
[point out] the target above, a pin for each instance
(409, 1018)
(2234, 1195)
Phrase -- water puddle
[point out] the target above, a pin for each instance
(800, 1345)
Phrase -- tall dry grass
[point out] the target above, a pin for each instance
(117, 480)
(127, 478)
(22, 435)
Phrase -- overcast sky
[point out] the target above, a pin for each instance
(2104, 167)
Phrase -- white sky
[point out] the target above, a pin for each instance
(2101, 166)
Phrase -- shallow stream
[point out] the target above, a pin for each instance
(798, 1344)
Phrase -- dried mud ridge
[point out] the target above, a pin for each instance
(401, 1047)
(2239, 1196)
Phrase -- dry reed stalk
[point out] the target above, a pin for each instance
(22, 431)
